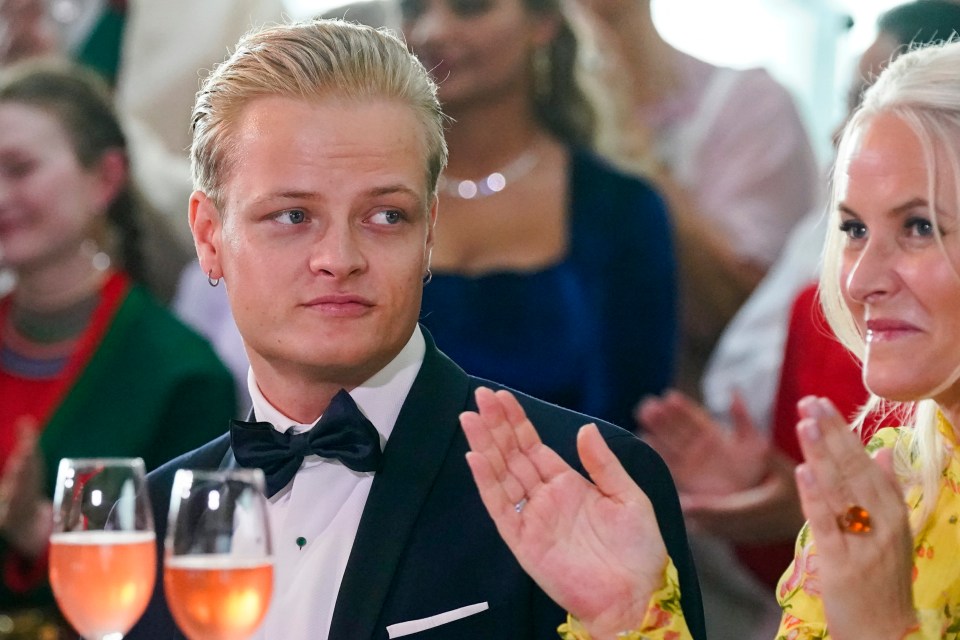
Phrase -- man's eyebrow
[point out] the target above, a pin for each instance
(287, 195)
(316, 195)
(393, 188)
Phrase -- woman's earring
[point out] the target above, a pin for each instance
(428, 276)
(211, 280)
(98, 258)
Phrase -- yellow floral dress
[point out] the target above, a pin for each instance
(664, 619)
(936, 567)
(936, 573)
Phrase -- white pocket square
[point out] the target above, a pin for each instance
(401, 629)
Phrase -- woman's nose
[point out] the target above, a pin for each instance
(872, 273)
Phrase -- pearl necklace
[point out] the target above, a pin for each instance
(492, 183)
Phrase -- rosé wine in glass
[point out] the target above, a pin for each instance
(103, 553)
(218, 563)
(103, 579)
(218, 597)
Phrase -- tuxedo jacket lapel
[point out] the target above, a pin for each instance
(413, 456)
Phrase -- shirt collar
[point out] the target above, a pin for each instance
(379, 398)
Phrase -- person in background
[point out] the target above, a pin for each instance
(90, 363)
(167, 47)
(316, 151)
(726, 147)
(553, 273)
(90, 34)
(877, 557)
(26, 30)
(736, 484)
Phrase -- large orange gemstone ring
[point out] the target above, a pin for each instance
(855, 519)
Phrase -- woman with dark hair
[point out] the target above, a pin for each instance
(552, 271)
(90, 363)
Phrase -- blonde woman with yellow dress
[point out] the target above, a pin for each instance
(878, 555)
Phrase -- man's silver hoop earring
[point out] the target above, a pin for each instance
(210, 279)
(428, 276)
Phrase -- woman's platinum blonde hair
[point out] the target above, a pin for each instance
(921, 88)
(310, 60)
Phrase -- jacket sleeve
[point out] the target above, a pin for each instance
(651, 474)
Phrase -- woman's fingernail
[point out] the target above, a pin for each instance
(807, 406)
(825, 407)
(816, 409)
(804, 476)
(809, 429)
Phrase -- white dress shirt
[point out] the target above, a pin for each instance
(323, 505)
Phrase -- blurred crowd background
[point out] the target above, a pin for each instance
(629, 226)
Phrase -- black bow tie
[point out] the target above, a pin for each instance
(342, 432)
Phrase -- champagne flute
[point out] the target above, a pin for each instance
(103, 550)
(218, 562)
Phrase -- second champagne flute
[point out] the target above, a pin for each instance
(218, 563)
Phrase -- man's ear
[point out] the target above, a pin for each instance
(205, 224)
(432, 221)
(431, 232)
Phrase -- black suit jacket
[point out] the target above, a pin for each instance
(425, 544)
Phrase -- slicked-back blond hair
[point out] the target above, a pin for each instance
(310, 60)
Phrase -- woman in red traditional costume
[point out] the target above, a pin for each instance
(90, 363)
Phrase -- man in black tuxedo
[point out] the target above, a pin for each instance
(316, 152)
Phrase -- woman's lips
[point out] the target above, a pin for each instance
(879, 330)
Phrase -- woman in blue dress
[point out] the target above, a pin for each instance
(552, 271)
